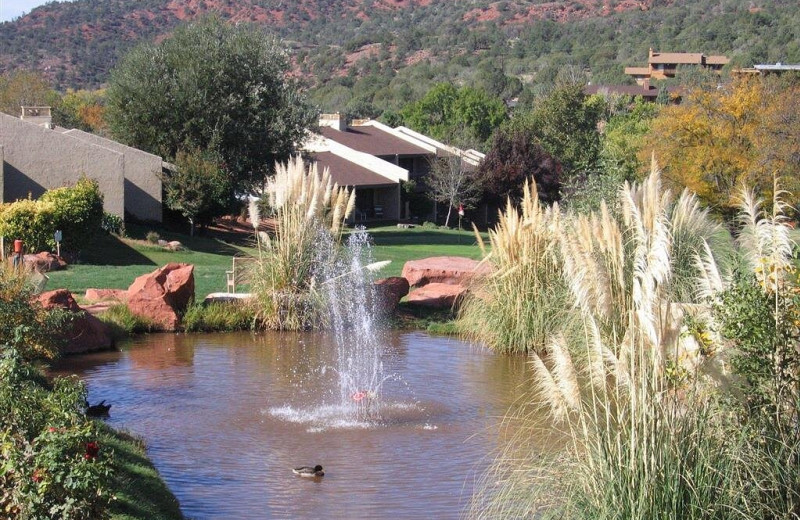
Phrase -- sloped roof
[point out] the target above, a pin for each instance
(349, 173)
(372, 140)
(637, 71)
(679, 58)
(717, 60)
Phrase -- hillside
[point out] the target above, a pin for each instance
(366, 53)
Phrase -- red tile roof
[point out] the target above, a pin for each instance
(372, 140)
(348, 173)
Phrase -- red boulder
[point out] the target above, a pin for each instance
(44, 262)
(437, 295)
(389, 292)
(454, 270)
(163, 294)
(100, 295)
(84, 332)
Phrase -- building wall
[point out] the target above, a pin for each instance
(142, 181)
(36, 159)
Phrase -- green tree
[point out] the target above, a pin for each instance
(197, 187)
(211, 86)
(565, 124)
(445, 111)
(24, 87)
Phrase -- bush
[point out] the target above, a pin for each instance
(53, 465)
(77, 211)
(429, 225)
(153, 237)
(113, 224)
(218, 317)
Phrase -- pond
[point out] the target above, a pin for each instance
(226, 416)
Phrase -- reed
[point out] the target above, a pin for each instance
(310, 212)
(636, 443)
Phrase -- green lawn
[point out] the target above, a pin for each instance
(111, 263)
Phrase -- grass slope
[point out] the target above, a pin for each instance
(140, 494)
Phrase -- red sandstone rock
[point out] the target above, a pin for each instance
(99, 295)
(44, 262)
(85, 333)
(163, 294)
(437, 295)
(454, 270)
(390, 291)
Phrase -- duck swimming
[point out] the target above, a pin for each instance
(308, 471)
(98, 410)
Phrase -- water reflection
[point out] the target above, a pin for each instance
(206, 406)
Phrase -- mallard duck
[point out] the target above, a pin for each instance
(97, 410)
(308, 471)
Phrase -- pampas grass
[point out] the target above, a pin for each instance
(310, 212)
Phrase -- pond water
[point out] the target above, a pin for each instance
(226, 416)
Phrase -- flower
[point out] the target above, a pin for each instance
(358, 396)
(92, 449)
(51, 429)
(38, 476)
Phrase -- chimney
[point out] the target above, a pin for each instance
(334, 120)
(38, 115)
(646, 83)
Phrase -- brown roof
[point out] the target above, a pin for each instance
(717, 60)
(348, 173)
(678, 58)
(637, 71)
(372, 140)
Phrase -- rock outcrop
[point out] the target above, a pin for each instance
(453, 270)
(163, 295)
(84, 333)
(104, 295)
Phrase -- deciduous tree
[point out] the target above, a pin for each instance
(212, 86)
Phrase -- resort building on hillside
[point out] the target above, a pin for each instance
(36, 156)
(662, 65)
(374, 159)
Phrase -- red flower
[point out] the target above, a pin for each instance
(51, 429)
(37, 476)
(92, 449)
(358, 396)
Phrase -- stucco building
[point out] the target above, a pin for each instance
(37, 157)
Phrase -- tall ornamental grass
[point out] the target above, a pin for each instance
(310, 212)
(638, 441)
(513, 308)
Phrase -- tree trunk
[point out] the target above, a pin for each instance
(447, 220)
(191, 227)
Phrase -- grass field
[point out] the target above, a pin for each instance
(113, 263)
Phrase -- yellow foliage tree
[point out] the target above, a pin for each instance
(721, 138)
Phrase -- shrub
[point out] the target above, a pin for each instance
(53, 465)
(77, 211)
(218, 317)
(153, 237)
(113, 224)
(429, 225)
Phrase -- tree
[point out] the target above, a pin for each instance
(82, 109)
(565, 124)
(453, 181)
(721, 138)
(27, 88)
(196, 187)
(445, 111)
(513, 158)
(211, 86)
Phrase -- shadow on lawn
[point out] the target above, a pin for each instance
(110, 250)
(396, 238)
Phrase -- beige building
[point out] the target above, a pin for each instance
(37, 157)
(662, 65)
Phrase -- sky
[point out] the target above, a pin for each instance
(10, 9)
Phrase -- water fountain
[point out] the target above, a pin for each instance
(347, 275)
